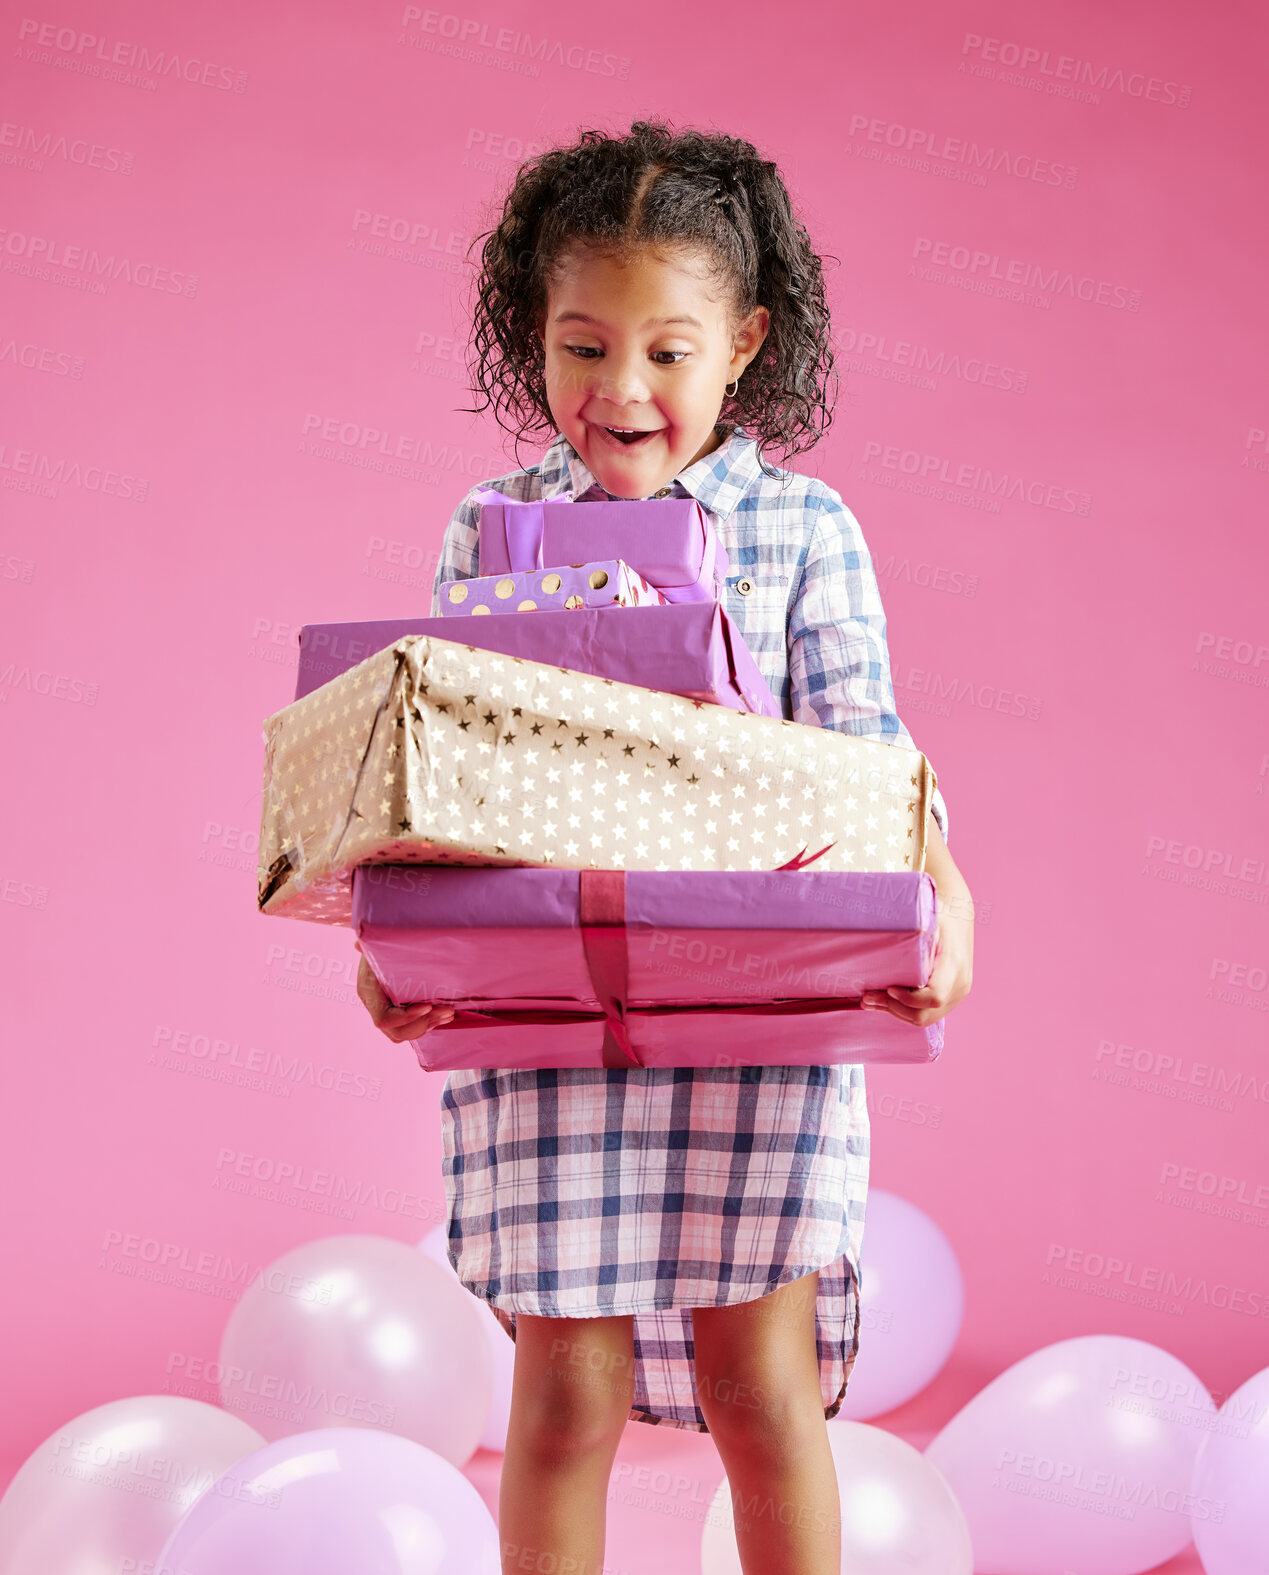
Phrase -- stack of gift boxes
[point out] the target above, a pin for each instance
(571, 808)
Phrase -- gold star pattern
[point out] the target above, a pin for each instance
(375, 767)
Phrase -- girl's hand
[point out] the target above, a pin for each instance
(949, 980)
(953, 970)
(398, 1022)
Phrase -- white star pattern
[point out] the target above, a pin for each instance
(340, 790)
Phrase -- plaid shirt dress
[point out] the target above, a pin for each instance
(582, 1193)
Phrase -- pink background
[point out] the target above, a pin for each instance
(1084, 660)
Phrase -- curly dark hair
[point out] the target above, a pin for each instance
(656, 186)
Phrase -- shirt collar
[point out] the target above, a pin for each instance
(717, 481)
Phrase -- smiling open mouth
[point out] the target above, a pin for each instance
(629, 437)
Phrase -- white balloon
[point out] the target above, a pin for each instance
(1079, 1456)
(502, 1348)
(104, 1491)
(360, 1331)
(897, 1512)
(1229, 1492)
(912, 1302)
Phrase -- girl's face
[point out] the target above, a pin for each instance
(641, 345)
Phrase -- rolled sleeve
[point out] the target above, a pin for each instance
(839, 663)
(459, 553)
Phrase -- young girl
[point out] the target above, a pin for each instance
(678, 1245)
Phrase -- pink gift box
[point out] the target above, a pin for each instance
(671, 542)
(606, 968)
(570, 587)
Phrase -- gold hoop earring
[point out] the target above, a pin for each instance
(731, 392)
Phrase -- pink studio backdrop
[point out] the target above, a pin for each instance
(1052, 429)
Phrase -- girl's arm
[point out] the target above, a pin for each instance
(839, 668)
(839, 663)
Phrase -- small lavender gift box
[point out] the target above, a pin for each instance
(573, 586)
(671, 542)
(608, 968)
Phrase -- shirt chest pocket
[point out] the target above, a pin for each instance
(757, 597)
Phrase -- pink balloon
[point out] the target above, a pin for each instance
(912, 1301)
(898, 1514)
(337, 1501)
(360, 1331)
(502, 1348)
(104, 1491)
(1078, 1457)
(1230, 1490)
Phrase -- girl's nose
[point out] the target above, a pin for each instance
(621, 383)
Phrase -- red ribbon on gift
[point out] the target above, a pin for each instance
(602, 918)
(602, 912)
(471, 1018)
(797, 862)
(602, 904)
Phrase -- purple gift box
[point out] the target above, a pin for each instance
(670, 541)
(608, 968)
(608, 583)
(690, 649)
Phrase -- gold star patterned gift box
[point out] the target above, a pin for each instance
(573, 585)
(436, 751)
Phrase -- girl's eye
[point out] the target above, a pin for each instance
(589, 352)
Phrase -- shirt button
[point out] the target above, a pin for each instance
(663, 493)
(744, 586)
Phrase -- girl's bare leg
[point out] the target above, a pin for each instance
(758, 1385)
(570, 1399)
